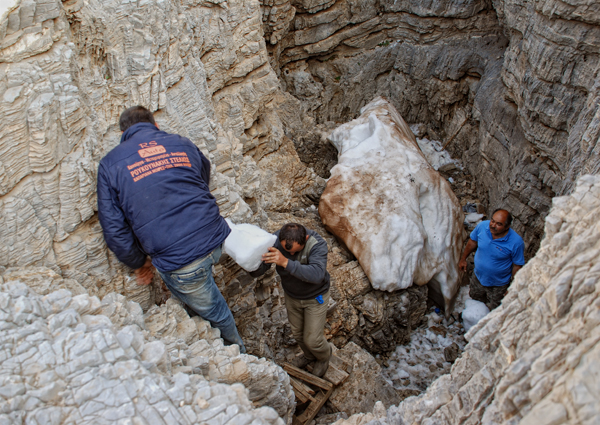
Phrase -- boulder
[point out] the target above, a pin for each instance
(365, 386)
(395, 213)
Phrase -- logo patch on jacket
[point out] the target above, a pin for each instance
(145, 152)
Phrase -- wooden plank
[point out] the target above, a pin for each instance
(305, 391)
(300, 398)
(307, 377)
(314, 407)
(339, 363)
(305, 388)
(334, 375)
(296, 421)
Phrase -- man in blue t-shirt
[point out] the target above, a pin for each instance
(499, 255)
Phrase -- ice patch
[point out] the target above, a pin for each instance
(246, 244)
(474, 311)
(413, 367)
(436, 155)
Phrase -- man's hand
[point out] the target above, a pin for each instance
(275, 256)
(471, 247)
(145, 274)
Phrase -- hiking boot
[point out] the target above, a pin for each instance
(301, 362)
(321, 366)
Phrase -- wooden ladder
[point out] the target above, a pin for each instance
(311, 388)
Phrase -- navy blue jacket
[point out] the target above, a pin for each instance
(153, 199)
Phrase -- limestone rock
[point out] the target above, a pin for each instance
(59, 365)
(483, 73)
(377, 320)
(177, 343)
(68, 69)
(42, 280)
(390, 207)
(365, 386)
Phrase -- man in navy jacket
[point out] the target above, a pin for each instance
(156, 209)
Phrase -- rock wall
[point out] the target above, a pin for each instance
(67, 71)
(514, 80)
(533, 360)
(74, 359)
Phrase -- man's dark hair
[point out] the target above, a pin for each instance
(509, 217)
(134, 115)
(292, 232)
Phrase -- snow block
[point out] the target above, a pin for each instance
(474, 311)
(397, 215)
(246, 244)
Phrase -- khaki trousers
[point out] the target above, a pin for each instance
(491, 296)
(307, 319)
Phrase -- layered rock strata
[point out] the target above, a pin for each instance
(513, 82)
(395, 213)
(68, 69)
(62, 361)
(533, 360)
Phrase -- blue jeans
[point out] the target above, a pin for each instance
(195, 286)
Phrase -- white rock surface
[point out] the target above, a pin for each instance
(246, 244)
(395, 213)
(67, 71)
(62, 361)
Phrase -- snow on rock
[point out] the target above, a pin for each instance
(246, 244)
(435, 154)
(430, 354)
(396, 214)
(474, 311)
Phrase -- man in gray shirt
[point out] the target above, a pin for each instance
(300, 256)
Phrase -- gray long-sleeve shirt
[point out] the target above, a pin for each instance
(299, 280)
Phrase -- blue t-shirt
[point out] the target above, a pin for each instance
(494, 258)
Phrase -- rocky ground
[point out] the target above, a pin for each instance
(433, 348)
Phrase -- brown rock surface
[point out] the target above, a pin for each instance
(365, 386)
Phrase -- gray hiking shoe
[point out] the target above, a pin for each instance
(321, 366)
(301, 361)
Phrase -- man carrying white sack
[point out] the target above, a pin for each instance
(499, 256)
(300, 256)
(156, 209)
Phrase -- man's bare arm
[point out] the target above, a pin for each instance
(515, 269)
(470, 248)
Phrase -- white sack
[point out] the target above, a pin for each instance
(474, 311)
(246, 244)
